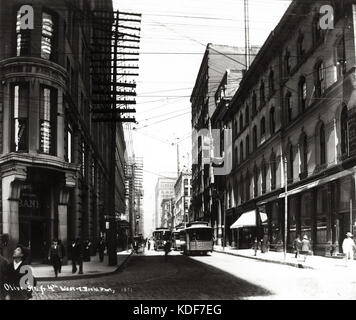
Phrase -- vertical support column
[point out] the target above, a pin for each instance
(11, 188)
(219, 231)
(60, 125)
(313, 218)
(63, 218)
(33, 114)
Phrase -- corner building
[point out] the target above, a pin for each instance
(54, 161)
(295, 107)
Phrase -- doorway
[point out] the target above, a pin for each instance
(33, 234)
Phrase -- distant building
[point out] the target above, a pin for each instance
(167, 209)
(182, 195)
(164, 190)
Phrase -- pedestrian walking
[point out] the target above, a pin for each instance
(3, 272)
(101, 249)
(348, 247)
(61, 246)
(55, 257)
(149, 244)
(167, 249)
(14, 275)
(255, 246)
(306, 247)
(297, 245)
(77, 256)
(87, 250)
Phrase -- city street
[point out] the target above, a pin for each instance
(217, 276)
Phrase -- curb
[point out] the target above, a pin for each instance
(291, 264)
(86, 276)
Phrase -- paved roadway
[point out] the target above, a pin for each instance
(217, 276)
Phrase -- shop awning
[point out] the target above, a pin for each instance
(247, 219)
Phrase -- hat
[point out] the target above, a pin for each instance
(349, 234)
(305, 237)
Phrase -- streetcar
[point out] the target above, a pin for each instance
(160, 237)
(177, 238)
(198, 238)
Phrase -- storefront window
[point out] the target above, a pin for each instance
(275, 225)
(306, 215)
(292, 220)
(321, 222)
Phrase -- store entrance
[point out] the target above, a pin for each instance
(33, 234)
(343, 226)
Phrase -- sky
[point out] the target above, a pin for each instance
(174, 35)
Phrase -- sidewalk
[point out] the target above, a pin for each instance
(312, 262)
(91, 269)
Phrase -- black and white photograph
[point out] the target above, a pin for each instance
(182, 151)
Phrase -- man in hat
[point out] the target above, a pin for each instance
(348, 247)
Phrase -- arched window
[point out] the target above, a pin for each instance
(302, 92)
(272, 121)
(23, 37)
(247, 115)
(319, 79)
(344, 126)
(242, 189)
(263, 127)
(287, 66)
(264, 176)
(262, 94)
(273, 170)
(316, 30)
(288, 100)
(241, 122)
(241, 151)
(290, 164)
(255, 181)
(254, 137)
(300, 47)
(247, 145)
(322, 144)
(303, 150)
(254, 104)
(247, 185)
(271, 83)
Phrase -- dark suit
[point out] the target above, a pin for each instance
(13, 279)
(55, 256)
(77, 257)
(3, 272)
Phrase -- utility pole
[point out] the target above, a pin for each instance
(285, 206)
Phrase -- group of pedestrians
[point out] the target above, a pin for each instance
(16, 282)
(302, 247)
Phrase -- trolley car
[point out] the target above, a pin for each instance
(160, 237)
(198, 238)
